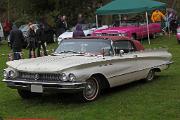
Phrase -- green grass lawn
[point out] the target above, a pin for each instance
(157, 100)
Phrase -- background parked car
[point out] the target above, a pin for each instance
(87, 29)
(130, 29)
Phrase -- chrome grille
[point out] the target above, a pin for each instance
(39, 76)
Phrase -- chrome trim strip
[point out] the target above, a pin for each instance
(44, 83)
(168, 63)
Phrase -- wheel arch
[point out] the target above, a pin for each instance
(102, 79)
(156, 69)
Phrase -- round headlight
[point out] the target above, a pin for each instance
(64, 77)
(123, 34)
(11, 74)
(72, 77)
(5, 73)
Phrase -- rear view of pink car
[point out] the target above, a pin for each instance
(134, 31)
(178, 35)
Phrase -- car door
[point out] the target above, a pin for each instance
(143, 28)
(1, 31)
(124, 66)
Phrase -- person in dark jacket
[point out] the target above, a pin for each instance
(16, 40)
(79, 31)
(81, 20)
(61, 25)
(31, 39)
(40, 40)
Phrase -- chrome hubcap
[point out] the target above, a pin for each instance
(150, 75)
(91, 89)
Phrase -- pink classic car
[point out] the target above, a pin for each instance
(134, 31)
(178, 35)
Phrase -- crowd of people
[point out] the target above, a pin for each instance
(169, 21)
(36, 38)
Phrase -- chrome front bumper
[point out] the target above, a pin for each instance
(46, 86)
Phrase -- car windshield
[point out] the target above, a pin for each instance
(128, 23)
(82, 46)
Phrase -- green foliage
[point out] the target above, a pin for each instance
(22, 20)
(33, 10)
(50, 9)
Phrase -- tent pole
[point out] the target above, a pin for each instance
(167, 22)
(96, 21)
(147, 23)
(120, 19)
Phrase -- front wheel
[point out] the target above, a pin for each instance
(92, 90)
(150, 75)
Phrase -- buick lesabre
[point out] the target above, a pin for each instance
(87, 66)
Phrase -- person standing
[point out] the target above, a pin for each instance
(16, 40)
(40, 40)
(157, 16)
(79, 31)
(31, 39)
(61, 25)
(80, 19)
(7, 28)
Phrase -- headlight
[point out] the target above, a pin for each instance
(12, 74)
(98, 34)
(5, 73)
(64, 77)
(9, 73)
(72, 77)
(123, 34)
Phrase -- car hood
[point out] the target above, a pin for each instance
(50, 64)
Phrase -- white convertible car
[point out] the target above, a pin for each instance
(88, 29)
(87, 66)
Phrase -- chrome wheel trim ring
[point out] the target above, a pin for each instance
(91, 90)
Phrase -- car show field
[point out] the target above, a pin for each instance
(158, 99)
